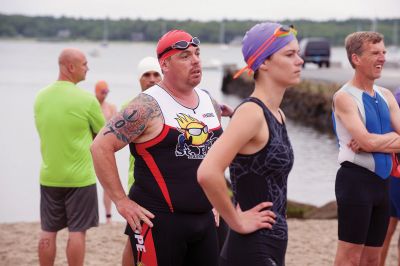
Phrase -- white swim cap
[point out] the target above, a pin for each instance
(148, 64)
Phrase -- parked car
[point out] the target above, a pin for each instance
(315, 50)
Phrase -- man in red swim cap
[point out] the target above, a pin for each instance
(169, 127)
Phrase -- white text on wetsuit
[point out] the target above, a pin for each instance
(140, 246)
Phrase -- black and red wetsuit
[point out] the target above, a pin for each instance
(166, 184)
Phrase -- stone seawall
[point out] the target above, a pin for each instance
(309, 103)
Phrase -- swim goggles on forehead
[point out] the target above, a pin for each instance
(180, 45)
(281, 31)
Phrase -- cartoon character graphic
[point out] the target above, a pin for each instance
(195, 139)
(194, 131)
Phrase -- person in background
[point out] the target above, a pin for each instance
(366, 119)
(257, 150)
(109, 110)
(149, 74)
(394, 195)
(67, 118)
(170, 127)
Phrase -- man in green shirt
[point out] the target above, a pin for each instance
(67, 118)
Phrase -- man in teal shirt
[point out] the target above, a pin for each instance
(67, 118)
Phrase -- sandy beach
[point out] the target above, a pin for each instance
(311, 242)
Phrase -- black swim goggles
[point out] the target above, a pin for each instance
(180, 45)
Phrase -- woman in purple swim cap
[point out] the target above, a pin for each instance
(257, 149)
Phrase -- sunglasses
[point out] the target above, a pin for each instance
(197, 131)
(180, 45)
(281, 31)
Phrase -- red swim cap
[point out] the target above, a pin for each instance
(101, 86)
(169, 39)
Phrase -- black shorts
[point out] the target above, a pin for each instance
(363, 205)
(176, 239)
(255, 249)
(72, 207)
(394, 194)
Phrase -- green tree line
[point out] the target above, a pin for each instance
(46, 27)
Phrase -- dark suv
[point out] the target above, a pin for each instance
(315, 50)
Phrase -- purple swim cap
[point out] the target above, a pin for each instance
(259, 43)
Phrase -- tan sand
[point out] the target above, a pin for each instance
(311, 242)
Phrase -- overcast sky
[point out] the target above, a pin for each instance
(207, 9)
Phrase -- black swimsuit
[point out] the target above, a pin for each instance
(256, 178)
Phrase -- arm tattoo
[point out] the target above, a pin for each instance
(132, 121)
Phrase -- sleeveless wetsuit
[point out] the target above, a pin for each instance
(374, 113)
(166, 184)
(256, 178)
(361, 185)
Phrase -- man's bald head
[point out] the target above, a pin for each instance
(69, 55)
(73, 65)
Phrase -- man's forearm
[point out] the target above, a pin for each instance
(107, 173)
(389, 142)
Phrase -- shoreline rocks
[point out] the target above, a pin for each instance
(307, 211)
(309, 103)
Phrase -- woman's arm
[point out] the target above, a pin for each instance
(243, 127)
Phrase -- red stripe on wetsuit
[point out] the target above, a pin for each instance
(151, 164)
(146, 252)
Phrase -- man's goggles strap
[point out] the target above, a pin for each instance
(180, 45)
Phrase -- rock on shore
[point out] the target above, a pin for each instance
(309, 103)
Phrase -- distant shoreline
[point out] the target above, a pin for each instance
(212, 31)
